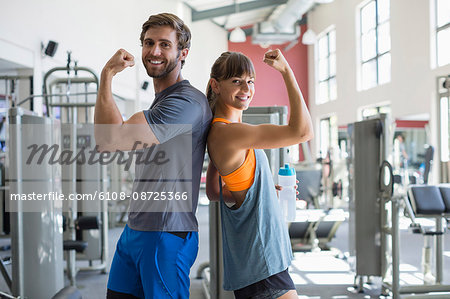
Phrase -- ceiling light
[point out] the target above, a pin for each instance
(237, 35)
(309, 37)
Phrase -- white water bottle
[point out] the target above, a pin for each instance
(287, 180)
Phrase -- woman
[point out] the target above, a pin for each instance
(256, 246)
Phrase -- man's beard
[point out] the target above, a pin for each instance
(171, 65)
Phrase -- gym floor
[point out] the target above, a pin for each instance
(316, 275)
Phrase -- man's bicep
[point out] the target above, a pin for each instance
(136, 131)
(136, 119)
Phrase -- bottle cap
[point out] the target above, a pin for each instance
(286, 170)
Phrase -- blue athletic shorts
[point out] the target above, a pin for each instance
(150, 264)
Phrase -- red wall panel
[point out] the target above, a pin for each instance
(269, 85)
(410, 123)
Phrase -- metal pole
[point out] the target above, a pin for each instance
(439, 251)
(383, 238)
(7, 295)
(105, 222)
(15, 156)
(31, 92)
(395, 250)
(214, 283)
(73, 209)
(5, 275)
(85, 100)
(408, 289)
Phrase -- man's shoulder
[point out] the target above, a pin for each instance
(183, 102)
(185, 91)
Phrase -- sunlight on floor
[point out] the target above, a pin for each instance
(330, 278)
(408, 279)
(408, 268)
(319, 263)
(297, 279)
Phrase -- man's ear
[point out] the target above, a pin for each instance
(215, 86)
(184, 53)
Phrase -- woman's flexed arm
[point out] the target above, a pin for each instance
(299, 120)
(299, 128)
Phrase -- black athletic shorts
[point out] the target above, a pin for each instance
(271, 287)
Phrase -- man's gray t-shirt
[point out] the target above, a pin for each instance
(180, 118)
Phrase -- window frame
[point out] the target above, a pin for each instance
(437, 30)
(378, 54)
(332, 134)
(380, 108)
(318, 81)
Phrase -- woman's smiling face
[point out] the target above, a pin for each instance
(237, 92)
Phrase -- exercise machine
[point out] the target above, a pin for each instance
(71, 99)
(36, 236)
(421, 201)
(369, 145)
(315, 226)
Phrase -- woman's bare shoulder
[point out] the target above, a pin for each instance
(218, 134)
(227, 135)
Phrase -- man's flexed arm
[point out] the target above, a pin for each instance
(106, 111)
(111, 132)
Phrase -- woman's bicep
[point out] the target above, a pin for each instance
(212, 183)
(213, 188)
(265, 136)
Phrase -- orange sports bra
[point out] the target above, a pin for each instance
(242, 178)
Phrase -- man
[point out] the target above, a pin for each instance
(158, 246)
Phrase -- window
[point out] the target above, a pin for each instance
(442, 32)
(444, 117)
(375, 43)
(369, 112)
(445, 129)
(326, 67)
(328, 135)
(294, 153)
